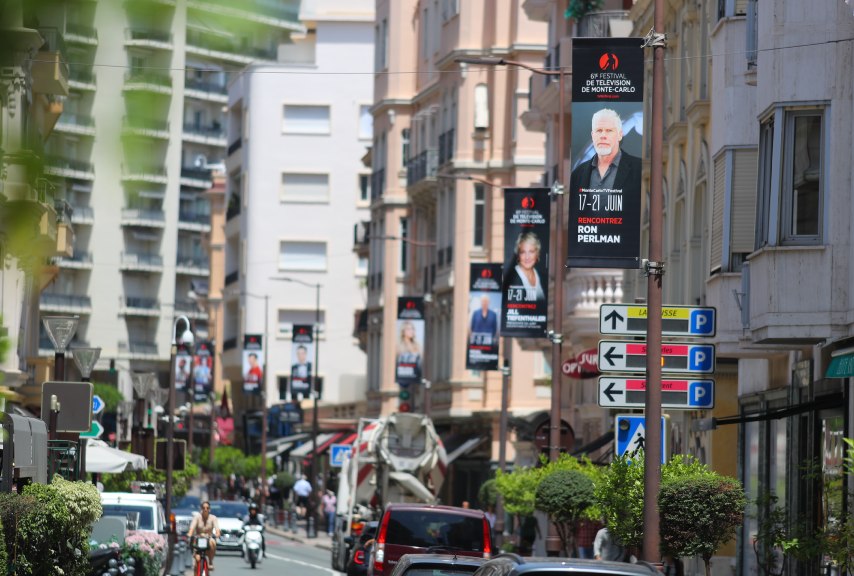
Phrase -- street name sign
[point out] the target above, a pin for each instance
(630, 320)
(338, 454)
(676, 358)
(675, 394)
(95, 431)
(631, 434)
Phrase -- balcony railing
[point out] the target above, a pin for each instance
(206, 41)
(424, 165)
(193, 84)
(140, 123)
(192, 261)
(214, 131)
(194, 217)
(81, 30)
(141, 303)
(446, 146)
(195, 173)
(232, 277)
(140, 259)
(81, 120)
(272, 8)
(63, 163)
(143, 214)
(598, 24)
(138, 347)
(82, 214)
(148, 77)
(80, 257)
(141, 171)
(148, 34)
(377, 184)
(82, 74)
(64, 301)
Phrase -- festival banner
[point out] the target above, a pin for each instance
(604, 193)
(203, 371)
(525, 279)
(302, 353)
(183, 370)
(410, 340)
(253, 368)
(484, 307)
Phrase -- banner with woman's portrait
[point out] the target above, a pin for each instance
(410, 340)
(525, 279)
(484, 307)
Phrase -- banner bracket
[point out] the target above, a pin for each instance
(555, 337)
(651, 268)
(654, 39)
(556, 189)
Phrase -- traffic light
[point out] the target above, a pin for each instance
(404, 404)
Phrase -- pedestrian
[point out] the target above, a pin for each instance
(302, 490)
(585, 534)
(329, 500)
(606, 547)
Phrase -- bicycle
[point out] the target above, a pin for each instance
(200, 549)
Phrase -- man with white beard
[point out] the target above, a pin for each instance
(610, 168)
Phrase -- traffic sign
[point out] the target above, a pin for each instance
(339, 453)
(97, 404)
(630, 319)
(678, 358)
(631, 434)
(94, 432)
(675, 394)
(75, 405)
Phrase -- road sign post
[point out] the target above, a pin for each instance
(678, 321)
(97, 404)
(676, 358)
(675, 394)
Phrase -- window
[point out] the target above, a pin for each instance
(304, 119)
(404, 144)
(299, 187)
(362, 266)
(381, 46)
(481, 107)
(479, 214)
(425, 34)
(287, 317)
(296, 255)
(404, 245)
(364, 187)
(366, 122)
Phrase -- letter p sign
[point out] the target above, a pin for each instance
(703, 322)
(701, 359)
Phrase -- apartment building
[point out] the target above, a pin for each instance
(142, 128)
(435, 125)
(296, 188)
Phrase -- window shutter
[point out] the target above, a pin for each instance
(740, 7)
(743, 216)
(717, 243)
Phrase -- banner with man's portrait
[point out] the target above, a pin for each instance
(302, 356)
(410, 340)
(253, 367)
(203, 371)
(604, 193)
(484, 307)
(525, 279)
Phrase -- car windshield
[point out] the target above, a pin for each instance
(143, 515)
(192, 502)
(428, 528)
(447, 571)
(230, 510)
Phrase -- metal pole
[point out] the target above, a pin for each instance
(502, 444)
(59, 365)
(311, 514)
(264, 403)
(170, 439)
(652, 446)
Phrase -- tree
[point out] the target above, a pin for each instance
(487, 495)
(699, 513)
(564, 495)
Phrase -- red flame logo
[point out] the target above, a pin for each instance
(528, 202)
(609, 61)
(486, 273)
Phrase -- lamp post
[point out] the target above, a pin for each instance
(186, 337)
(60, 330)
(266, 298)
(556, 334)
(312, 525)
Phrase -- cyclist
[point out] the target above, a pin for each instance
(205, 524)
(255, 519)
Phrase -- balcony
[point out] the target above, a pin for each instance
(206, 90)
(49, 70)
(586, 290)
(196, 177)
(76, 124)
(69, 168)
(191, 309)
(149, 81)
(268, 11)
(148, 37)
(81, 260)
(194, 220)
(141, 262)
(139, 306)
(605, 24)
(151, 127)
(81, 77)
(146, 217)
(82, 215)
(377, 184)
(446, 147)
(203, 43)
(139, 350)
(424, 165)
(81, 34)
(213, 135)
(192, 265)
(65, 303)
(142, 173)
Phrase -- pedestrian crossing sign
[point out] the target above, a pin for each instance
(631, 434)
(338, 453)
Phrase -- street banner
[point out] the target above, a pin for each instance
(525, 280)
(183, 370)
(410, 340)
(604, 192)
(302, 353)
(253, 369)
(484, 307)
(203, 371)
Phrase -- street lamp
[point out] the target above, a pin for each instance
(312, 524)
(186, 338)
(60, 330)
(556, 334)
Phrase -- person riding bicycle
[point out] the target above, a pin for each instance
(255, 519)
(206, 525)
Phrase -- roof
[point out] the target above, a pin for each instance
(437, 507)
(516, 565)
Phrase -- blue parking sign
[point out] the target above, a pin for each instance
(703, 322)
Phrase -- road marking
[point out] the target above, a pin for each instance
(301, 563)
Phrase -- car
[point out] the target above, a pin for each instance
(184, 508)
(436, 565)
(358, 563)
(142, 512)
(420, 528)
(230, 516)
(514, 565)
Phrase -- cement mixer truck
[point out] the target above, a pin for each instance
(398, 458)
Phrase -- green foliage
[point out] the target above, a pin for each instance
(699, 513)
(578, 8)
(564, 495)
(109, 394)
(3, 555)
(229, 460)
(181, 479)
(487, 495)
(518, 488)
(284, 481)
(83, 503)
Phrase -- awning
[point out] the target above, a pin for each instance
(460, 445)
(103, 459)
(285, 443)
(841, 367)
(323, 442)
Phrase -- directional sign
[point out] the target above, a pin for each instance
(95, 431)
(97, 404)
(630, 319)
(678, 358)
(631, 434)
(338, 454)
(675, 394)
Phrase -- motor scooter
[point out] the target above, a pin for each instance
(251, 539)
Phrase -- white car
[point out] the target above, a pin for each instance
(141, 511)
(230, 516)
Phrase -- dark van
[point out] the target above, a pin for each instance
(420, 528)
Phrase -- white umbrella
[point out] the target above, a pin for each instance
(101, 459)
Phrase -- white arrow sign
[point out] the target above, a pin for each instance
(630, 319)
(97, 404)
(678, 358)
(675, 394)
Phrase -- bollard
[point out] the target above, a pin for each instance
(310, 529)
(292, 520)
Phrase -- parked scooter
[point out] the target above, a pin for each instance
(252, 538)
